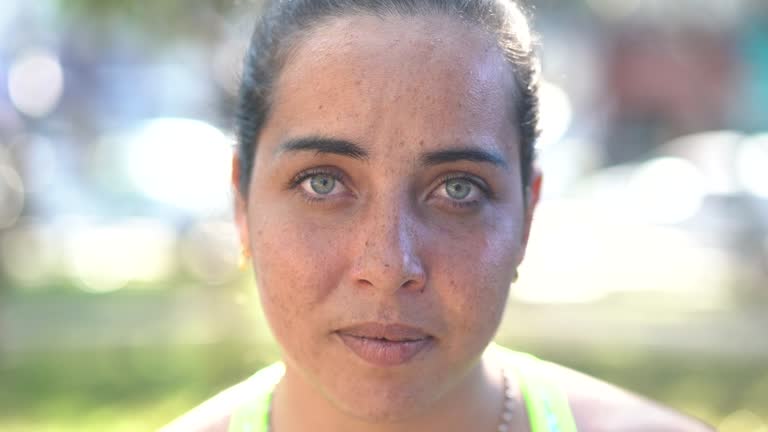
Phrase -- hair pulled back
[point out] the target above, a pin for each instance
(284, 21)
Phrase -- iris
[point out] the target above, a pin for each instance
(458, 189)
(322, 184)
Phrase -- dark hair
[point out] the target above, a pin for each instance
(284, 20)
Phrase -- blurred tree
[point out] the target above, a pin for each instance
(164, 20)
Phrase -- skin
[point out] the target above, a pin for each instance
(390, 243)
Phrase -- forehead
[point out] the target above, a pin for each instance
(434, 79)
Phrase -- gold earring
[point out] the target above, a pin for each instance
(245, 255)
(516, 276)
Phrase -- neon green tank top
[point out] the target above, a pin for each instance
(545, 402)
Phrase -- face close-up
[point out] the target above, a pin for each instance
(386, 190)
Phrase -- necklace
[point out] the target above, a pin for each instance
(506, 413)
(509, 402)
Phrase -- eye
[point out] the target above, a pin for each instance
(462, 191)
(319, 184)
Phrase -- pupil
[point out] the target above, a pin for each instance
(457, 189)
(322, 184)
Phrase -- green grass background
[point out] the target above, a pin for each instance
(141, 388)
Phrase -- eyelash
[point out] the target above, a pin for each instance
(298, 179)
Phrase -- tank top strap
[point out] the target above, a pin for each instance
(546, 403)
(253, 414)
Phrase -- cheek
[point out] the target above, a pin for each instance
(295, 266)
(476, 274)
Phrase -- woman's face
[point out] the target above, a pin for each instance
(386, 189)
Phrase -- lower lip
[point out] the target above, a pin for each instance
(382, 352)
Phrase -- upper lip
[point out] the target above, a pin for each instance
(393, 332)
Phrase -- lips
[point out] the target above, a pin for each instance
(385, 344)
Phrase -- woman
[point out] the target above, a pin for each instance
(386, 184)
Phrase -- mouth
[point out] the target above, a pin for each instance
(385, 345)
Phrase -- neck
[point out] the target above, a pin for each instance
(474, 403)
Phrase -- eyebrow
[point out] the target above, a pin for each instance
(349, 149)
(471, 154)
(324, 145)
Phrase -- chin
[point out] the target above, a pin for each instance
(386, 408)
(384, 399)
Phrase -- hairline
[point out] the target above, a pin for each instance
(287, 48)
(295, 33)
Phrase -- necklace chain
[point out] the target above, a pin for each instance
(506, 413)
(509, 403)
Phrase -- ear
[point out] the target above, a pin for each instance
(532, 196)
(241, 206)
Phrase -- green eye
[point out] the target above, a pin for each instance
(458, 189)
(322, 184)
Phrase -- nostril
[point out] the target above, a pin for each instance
(365, 282)
(414, 285)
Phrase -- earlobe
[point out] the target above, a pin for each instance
(245, 257)
(534, 189)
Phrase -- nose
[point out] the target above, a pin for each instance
(389, 259)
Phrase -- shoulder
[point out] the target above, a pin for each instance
(598, 406)
(212, 415)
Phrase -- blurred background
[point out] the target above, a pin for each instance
(121, 302)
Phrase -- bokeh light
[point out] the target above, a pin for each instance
(555, 113)
(753, 165)
(35, 82)
(585, 241)
(106, 258)
(666, 191)
(714, 154)
(182, 162)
